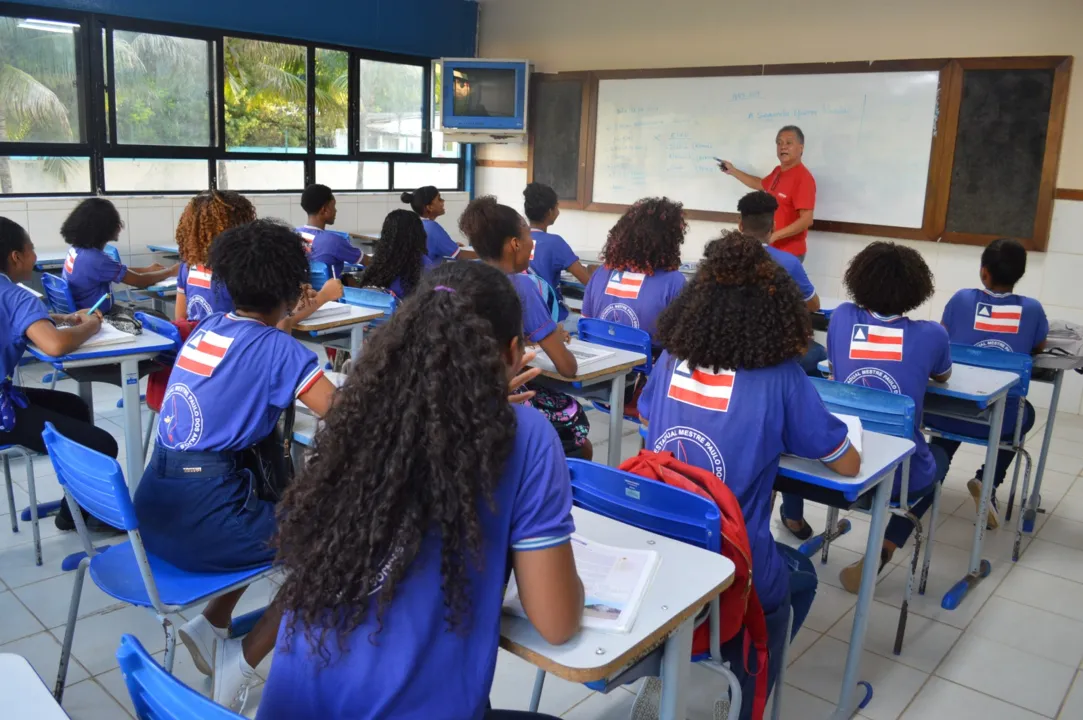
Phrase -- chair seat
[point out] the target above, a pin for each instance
(116, 572)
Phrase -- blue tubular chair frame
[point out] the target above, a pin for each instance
(621, 337)
(156, 694)
(889, 414)
(61, 302)
(168, 330)
(95, 482)
(667, 511)
(28, 455)
(1022, 365)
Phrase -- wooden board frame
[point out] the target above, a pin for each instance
(941, 159)
(582, 197)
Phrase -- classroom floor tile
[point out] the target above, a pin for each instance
(1073, 705)
(926, 643)
(1031, 630)
(942, 699)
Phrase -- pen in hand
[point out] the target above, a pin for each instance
(98, 304)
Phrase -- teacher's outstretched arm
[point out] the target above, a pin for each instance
(756, 183)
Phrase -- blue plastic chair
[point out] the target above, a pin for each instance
(168, 330)
(60, 301)
(126, 571)
(667, 511)
(128, 295)
(621, 337)
(156, 694)
(319, 274)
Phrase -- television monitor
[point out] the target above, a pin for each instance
(484, 95)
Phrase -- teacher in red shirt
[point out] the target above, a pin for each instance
(792, 185)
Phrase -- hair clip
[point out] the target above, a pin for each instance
(444, 288)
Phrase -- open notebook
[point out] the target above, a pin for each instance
(108, 335)
(585, 354)
(854, 431)
(614, 583)
(328, 311)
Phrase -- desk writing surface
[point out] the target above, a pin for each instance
(686, 580)
(880, 452)
(169, 249)
(620, 360)
(976, 384)
(51, 258)
(23, 693)
(357, 314)
(148, 342)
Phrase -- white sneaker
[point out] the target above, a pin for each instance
(198, 635)
(232, 675)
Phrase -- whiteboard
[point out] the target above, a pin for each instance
(868, 139)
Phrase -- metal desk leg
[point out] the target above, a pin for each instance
(133, 427)
(1031, 505)
(675, 672)
(848, 700)
(980, 569)
(616, 419)
(357, 337)
(86, 394)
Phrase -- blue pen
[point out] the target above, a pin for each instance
(98, 304)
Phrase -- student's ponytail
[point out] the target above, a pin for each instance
(421, 198)
(414, 444)
(13, 238)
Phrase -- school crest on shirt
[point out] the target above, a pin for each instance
(203, 352)
(872, 342)
(702, 388)
(994, 344)
(998, 318)
(625, 284)
(693, 447)
(621, 314)
(181, 423)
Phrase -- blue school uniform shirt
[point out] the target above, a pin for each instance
(550, 257)
(232, 379)
(795, 269)
(19, 309)
(736, 424)
(413, 666)
(90, 273)
(202, 294)
(631, 298)
(398, 286)
(538, 322)
(439, 244)
(329, 247)
(895, 354)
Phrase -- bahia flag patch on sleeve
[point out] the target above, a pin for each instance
(998, 318)
(625, 284)
(871, 342)
(702, 388)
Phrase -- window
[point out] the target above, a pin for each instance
(163, 89)
(339, 175)
(137, 174)
(440, 148)
(410, 175)
(266, 92)
(261, 175)
(44, 175)
(39, 85)
(391, 101)
(332, 101)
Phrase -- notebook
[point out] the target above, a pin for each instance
(854, 431)
(585, 354)
(327, 312)
(108, 335)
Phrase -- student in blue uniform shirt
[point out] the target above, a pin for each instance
(205, 217)
(995, 317)
(397, 545)
(729, 396)
(25, 319)
(552, 255)
(89, 271)
(326, 246)
(197, 505)
(503, 240)
(642, 260)
(399, 258)
(428, 204)
(757, 211)
(872, 343)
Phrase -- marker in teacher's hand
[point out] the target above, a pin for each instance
(721, 164)
(98, 304)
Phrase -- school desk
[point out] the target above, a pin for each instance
(822, 317)
(612, 369)
(50, 260)
(336, 326)
(685, 582)
(23, 693)
(167, 249)
(160, 291)
(880, 455)
(128, 356)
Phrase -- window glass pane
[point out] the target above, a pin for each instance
(150, 175)
(266, 95)
(352, 175)
(440, 149)
(414, 175)
(392, 96)
(39, 93)
(261, 175)
(332, 96)
(44, 175)
(162, 89)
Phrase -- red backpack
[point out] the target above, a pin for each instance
(740, 606)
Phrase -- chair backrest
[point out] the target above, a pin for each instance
(162, 327)
(93, 480)
(652, 506)
(880, 411)
(371, 297)
(319, 274)
(1019, 363)
(112, 252)
(615, 335)
(58, 294)
(157, 695)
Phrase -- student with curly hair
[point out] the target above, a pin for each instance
(330, 247)
(642, 259)
(206, 216)
(872, 343)
(503, 240)
(729, 396)
(397, 545)
(428, 205)
(197, 505)
(89, 271)
(399, 257)
(552, 255)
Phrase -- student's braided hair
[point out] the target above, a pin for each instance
(398, 252)
(431, 394)
(647, 238)
(741, 311)
(206, 216)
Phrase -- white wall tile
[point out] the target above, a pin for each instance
(151, 225)
(44, 228)
(1063, 274)
(1066, 233)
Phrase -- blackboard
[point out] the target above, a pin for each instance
(1000, 148)
(557, 116)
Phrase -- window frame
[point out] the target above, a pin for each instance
(96, 78)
